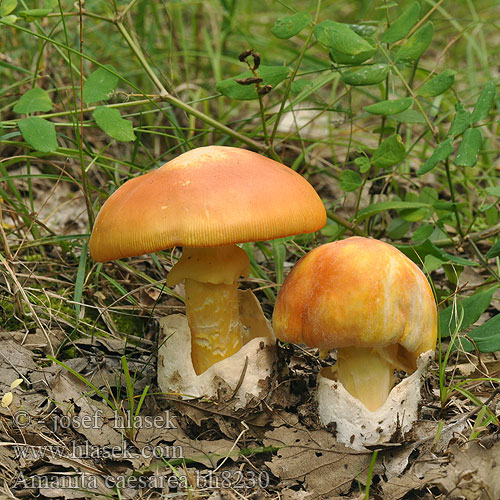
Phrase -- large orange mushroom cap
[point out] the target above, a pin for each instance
(207, 197)
(358, 292)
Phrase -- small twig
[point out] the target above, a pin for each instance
(344, 223)
(484, 262)
(453, 199)
(256, 80)
(242, 376)
(474, 237)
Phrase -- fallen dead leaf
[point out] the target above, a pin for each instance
(313, 457)
(473, 472)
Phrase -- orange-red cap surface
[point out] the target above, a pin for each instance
(357, 292)
(206, 197)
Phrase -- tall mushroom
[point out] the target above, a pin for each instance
(374, 305)
(207, 200)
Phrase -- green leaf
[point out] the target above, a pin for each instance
(397, 228)
(402, 25)
(299, 85)
(472, 307)
(417, 253)
(363, 30)
(390, 152)
(417, 44)
(494, 251)
(363, 56)
(409, 116)
(383, 206)
(390, 107)
(431, 263)
(461, 121)
(340, 38)
(7, 6)
(40, 134)
(484, 103)
(486, 337)
(365, 75)
(423, 232)
(493, 191)
(99, 85)
(470, 146)
(288, 26)
(110, 121)
(34, 100)
(350, 180)
(447, 205)
(363, 164)
(442, 152)
(438, 85)
(34, 14)
(271, 75)
(8, 19)
(414, 214)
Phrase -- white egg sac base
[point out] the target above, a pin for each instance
(176, 372)
(357, 426)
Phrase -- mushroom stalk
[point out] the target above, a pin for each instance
(213, 317)
(212, 305)
(366, 373)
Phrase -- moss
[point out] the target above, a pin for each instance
(7, 315)
(129, 324)
(50, 306)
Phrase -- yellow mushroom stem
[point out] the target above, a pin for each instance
(212, 307)
(367, 373)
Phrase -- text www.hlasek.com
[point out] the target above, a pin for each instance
(88, 450)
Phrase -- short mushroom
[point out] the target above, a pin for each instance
(207, 200)
(375, 306)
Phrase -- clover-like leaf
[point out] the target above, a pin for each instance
(402, 25)
(288, 26)
(438, 85)
(390, 152)
(99, 85)
(35, 99)
(417, 44)
(350, 180)
(111, 122)
(365, 75)
(442, 152)
(484, 103)
(271, 75)
(470, 146)
(39, 133)
(389, 107)
(340, 38)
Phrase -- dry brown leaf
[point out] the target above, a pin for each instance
(473, 473)
(326, 467)
(71, 395)
(15, 361)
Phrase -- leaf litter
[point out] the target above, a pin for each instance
(200, 440)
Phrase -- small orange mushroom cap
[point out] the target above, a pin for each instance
(207, 197)
(358, 292)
